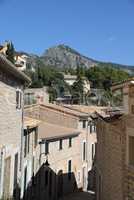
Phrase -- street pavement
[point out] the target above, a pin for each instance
(79, 196)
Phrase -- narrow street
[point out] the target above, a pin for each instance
(79, 196)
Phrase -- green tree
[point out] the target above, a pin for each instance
(78, 86)
(10, 52)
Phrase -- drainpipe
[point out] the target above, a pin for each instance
(22, 148)
(87, 148)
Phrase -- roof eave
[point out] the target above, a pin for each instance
(10, 67)
(59, 137)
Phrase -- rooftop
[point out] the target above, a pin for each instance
(50, 131)
(86, 109)
(30, 122)
(70, 77)
(66, 110)
(110, 113)
(9, 67)
(121, 84)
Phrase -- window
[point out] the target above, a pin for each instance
(18, 99)
(35, 137)
(131, 150)
(28, 145)
(46, 148)
(70, 142)
(25, 143)
(15, 170)
(69, 169)
(93, 151)
(92, 127)
(33, 165)
(132, 109)
(60, 144)
(84, 151)
(84, 124)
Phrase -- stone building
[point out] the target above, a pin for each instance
(71, 79)
(21, 60)
(36, 96)
(12, 83)
(60, 127)
(52, 159)
(115, 148)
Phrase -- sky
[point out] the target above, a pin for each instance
(99, 29)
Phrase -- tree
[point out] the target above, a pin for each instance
(10, 52)
(78, 86)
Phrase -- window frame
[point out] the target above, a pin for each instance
(60, 144)
(129, 161)
(46, 148)
(35, 137)
(84, 151)
(84, 124)
(70, 142)
(18, 99)
(69, 163)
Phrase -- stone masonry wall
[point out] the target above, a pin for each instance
(10, 117)
(51, 116)
(110, 160)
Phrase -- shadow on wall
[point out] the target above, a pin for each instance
(48, 185)
(92, 176)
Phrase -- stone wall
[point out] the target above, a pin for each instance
(110, 163)
(10, 117)
(51, 116)
(10, 134)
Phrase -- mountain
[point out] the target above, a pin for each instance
(62, 56)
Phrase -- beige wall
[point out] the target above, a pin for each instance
(52, 116)
(58, 160)
(10, 117)
(10, 131)
(117, 176)
(109, 161)
(38, 96)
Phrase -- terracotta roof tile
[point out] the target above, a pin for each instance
(51, 131)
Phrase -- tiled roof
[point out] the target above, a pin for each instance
(30, 122)
(110, 113)
(86, 109)
(122, 83)
(50, 131)
(66, 110)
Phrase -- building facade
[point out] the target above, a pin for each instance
(81, 152)
(11, 125)
(115, 149)
(36, 96)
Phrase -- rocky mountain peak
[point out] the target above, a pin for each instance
(63, 56)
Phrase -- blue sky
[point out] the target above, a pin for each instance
(100, 29)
